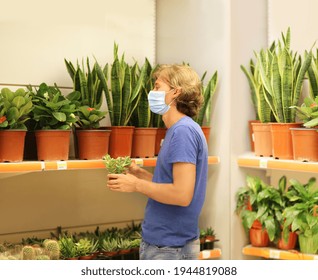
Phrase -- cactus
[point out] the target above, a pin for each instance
(27, 253)
(2, 248)
(53, 249)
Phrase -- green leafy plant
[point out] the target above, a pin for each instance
(15, 108)
(260, 201)
(308, 112)
(116, 165)
(86, 246)
(300, 216)
(52, 110)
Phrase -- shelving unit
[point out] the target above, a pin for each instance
(251, 161)
(272, 253)
(34, 166)
(210, 254)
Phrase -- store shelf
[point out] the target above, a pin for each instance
(210, 254)
(33, 166)
(272, 253)
(251, 161)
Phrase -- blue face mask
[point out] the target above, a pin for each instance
(157, 102)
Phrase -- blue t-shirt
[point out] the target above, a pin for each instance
(171, 225)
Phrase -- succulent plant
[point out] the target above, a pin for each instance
(85, 247)
(67, 247)
(116, 165)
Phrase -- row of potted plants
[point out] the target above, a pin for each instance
(112, 243)
(122, 87)
(283, 216)
(276, 80)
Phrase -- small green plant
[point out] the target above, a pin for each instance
(308, 112)
(15, 108)
(116, 165)
(109, 245)
(52, 110)
(85, 247)
(67, 247)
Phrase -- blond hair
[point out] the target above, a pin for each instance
(183, 77)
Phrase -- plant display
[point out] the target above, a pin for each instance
(27, 253)
(117, 165)
(308, 112)
(15, 108)
(208, 91)
(87, 94)
(282, 73)
(52, 110)
(126, 83)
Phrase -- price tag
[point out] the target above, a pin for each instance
(139, 161)
(42, 165)
(263, 163)
(205, 254)
(61, 165)
(274, 254)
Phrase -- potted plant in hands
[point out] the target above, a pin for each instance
(15, 109)
(117, 165)
(91, 141)
(305, 138)
(54, 117)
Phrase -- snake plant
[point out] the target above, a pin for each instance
(282, 74)
(313, 76)
(208, 92)
(86, 82)
(261, 107)
(125, 85)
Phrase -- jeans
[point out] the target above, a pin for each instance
(189, 251)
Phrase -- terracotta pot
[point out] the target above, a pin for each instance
(282, 140)
(251, 134)
(257, 224)
(120, 141)
(206, 131)
(144, 140)
(262, 139)
(12, 145)
(92, 144)
(161, 133)
(259, 237)
(289, 244)
(53, 144)
(305, 144)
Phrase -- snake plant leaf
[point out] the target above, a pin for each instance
(126, 95)
(116, 88)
